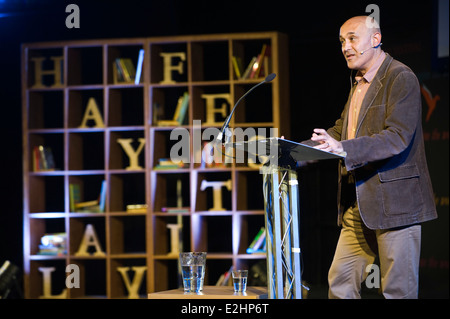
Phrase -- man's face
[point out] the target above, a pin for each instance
(354, 37)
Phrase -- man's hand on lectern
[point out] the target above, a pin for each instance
(326, 142)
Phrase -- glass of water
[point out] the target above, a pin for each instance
(193, 270)
(240, 280)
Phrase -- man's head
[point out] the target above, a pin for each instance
(360, 38)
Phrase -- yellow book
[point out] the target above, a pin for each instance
(237, 66)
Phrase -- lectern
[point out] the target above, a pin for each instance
(282, 212)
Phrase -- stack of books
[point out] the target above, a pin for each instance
(92, 206)
(43, 159)
(53, 244)
(137, 208)
(180, 112)
(167, 163)
(257, 68)
(126, 72)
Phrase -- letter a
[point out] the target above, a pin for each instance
(92, 113)
(89, 239)
(73, 19)
(373, 20)
(373, 279)
(73, 279)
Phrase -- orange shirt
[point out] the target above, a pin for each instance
(364, 82)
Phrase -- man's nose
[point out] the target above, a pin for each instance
(346, 46)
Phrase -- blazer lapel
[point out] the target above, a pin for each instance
(373, 90)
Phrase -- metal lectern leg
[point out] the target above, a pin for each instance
(273, 236)
(282, 233)
(295, 248)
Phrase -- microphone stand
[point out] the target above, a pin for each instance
(219, 137)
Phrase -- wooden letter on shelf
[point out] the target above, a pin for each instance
(132, 154)
(168, 67)
(47, 284)
(217, 194)
(175, 230)
(39, 72)
(92, 113)
(133, 288)
(89, 239)
(210, 107)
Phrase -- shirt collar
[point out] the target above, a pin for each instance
(368, 77)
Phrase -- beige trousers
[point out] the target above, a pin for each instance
(398, 251)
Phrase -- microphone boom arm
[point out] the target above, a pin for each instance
(269, 78)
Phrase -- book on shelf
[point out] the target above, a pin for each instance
(137, 208)
(258, 66)
(224, 279)
(175, 209)
(180, 112)
(258, 243)
(124, 70)
(54, 244)
(237, 66)
(167, 163)
(102, 198)
(137, 79)
(43, 159)
(249, 68)
(82, 205)
(74, 196)
(91, 206)
(157, 112)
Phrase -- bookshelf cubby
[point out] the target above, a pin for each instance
(102, 131)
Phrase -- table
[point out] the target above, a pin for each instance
(212, 292)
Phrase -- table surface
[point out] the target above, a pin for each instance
(212, 292)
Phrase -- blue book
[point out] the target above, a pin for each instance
(102, 199)
(137, 79)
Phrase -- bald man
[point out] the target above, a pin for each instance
(385, 191)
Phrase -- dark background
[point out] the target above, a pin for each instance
(319, 85)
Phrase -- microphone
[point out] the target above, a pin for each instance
(363, 51)
(268, 78)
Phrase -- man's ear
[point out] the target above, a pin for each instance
(376, 39)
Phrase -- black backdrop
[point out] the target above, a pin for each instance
(319, 84)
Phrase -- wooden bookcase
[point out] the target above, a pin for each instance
(86, 156)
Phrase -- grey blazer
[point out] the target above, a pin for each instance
(387, 156)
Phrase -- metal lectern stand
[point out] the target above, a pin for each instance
(282, 232)
(281, 202)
